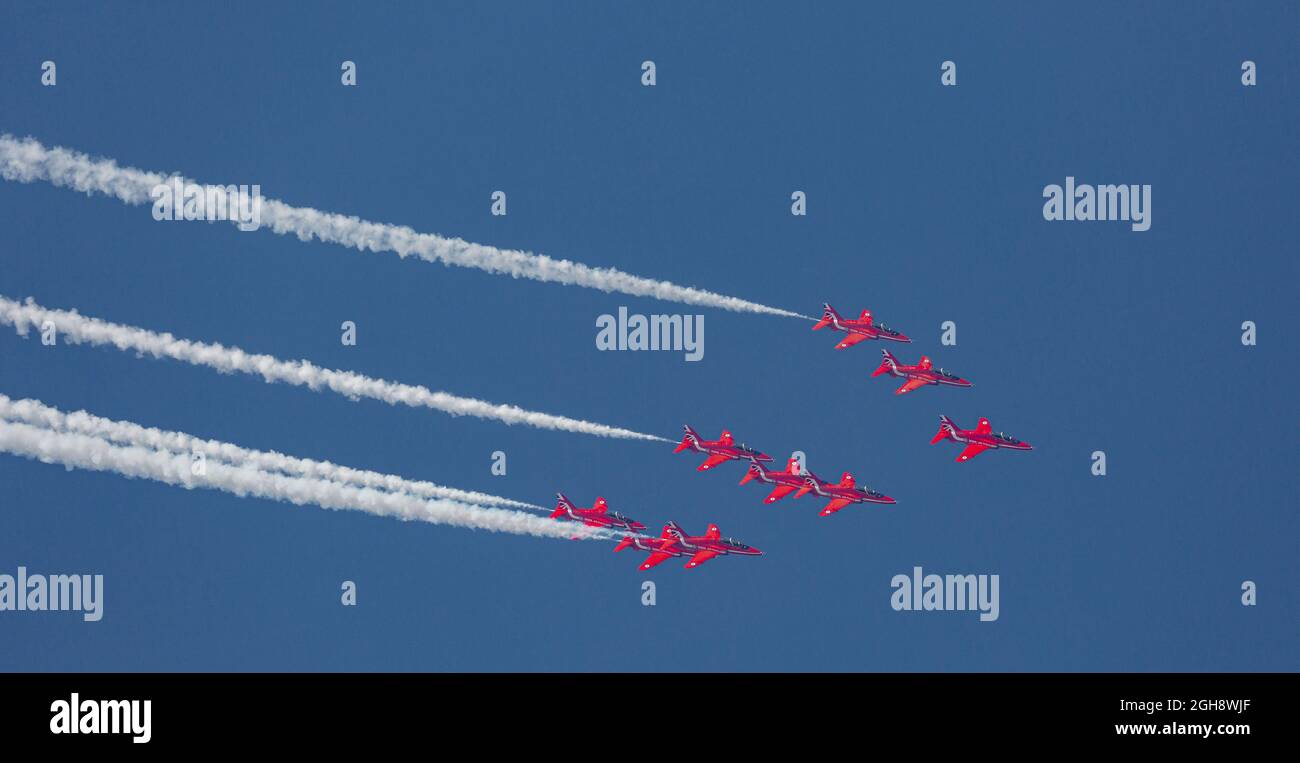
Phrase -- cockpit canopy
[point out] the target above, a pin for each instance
(1004, 437)
(871, 493)
(885, 328)
(734, 543)
(743, 448)
(945, 373)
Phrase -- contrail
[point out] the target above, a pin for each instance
(77, 328)
(27, 160)
(92, 453)
(38, 414)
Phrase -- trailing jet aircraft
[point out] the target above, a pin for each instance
(786, 482)
(859, 330)
(722, 449)
(919, 375)
(841, 495)
(598, 515)
(675, 542)
(977, 440)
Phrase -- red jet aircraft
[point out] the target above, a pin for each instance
(598, 515)
(977, 440)
(859, 330)
(675, 542)
(919, 375)
(841, 495)
(722, 449)
(786, 482)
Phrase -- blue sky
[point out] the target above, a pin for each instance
(924, 203)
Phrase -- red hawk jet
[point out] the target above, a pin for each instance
(675, 542)
(920, 375)
(785, 482)
(977, 440)
(859, 330)
(598, 515)
(722, 449)
(841, 495)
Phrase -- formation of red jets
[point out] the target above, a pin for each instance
(923, 374)
(674, 542)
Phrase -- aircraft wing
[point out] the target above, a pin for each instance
(779, 492)
(851, 340)
(835, 506)
(712, 461)
(700, 558)
(911, 385)
(972, 450)
(655, 559)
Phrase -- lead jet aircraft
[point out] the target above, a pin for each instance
(920, 375)
(841, 495)
(598, 515)
(722, 449)
(785, 482)
(977, 440)
(859, 330)
(675, 542)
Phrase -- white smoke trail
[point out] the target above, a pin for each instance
(92, 453)
(27, 160)
(38, 414)
(77, 328)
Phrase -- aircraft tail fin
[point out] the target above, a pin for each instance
(689, 440)
(754, 471)
(625, 543)
(562, 505)
(713, 532)
(946, 430)
(829, 316)
(888, 363)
